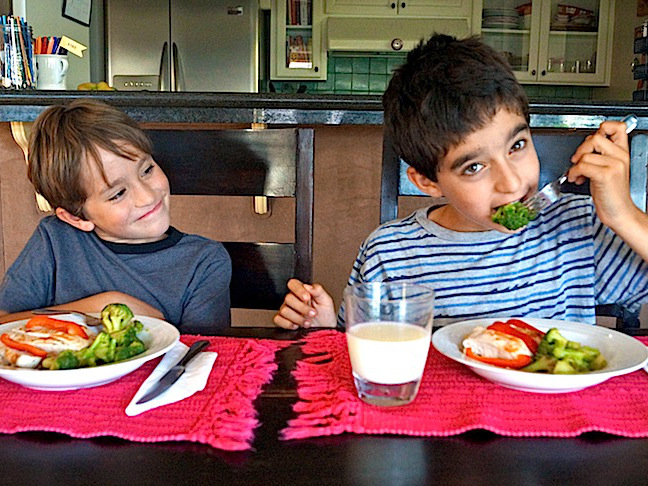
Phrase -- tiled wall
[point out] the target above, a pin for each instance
(349, 74)
(563, 92)
(359, 74)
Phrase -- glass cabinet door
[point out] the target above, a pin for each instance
(511, 28)
(296, 43)
(551, 41)
(575, 46)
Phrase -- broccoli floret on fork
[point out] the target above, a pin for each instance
(514, 215)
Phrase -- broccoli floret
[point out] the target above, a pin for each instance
(541, 364)
(133, 349)
(117, 342)
(553, 344)
(103, 348)
(116, 316)
(64, 361)
(514, 215)
(128, 334)
(564, 367)
(558, 355)
(70, 360)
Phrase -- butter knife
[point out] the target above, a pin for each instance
(171, 376)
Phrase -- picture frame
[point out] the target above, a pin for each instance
(78, 11)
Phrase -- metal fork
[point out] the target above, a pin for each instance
(89, 320)
(550, 193)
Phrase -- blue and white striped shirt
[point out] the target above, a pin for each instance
(560, 266)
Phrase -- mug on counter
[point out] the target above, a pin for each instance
(51, 70)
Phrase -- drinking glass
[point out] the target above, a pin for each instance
(388, 328)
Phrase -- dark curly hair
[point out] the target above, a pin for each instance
(447, 89)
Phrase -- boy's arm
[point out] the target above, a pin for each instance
(604, 159)
(306, 306)
(94, 303)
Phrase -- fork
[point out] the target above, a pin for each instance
(89, 320)
(550, 193)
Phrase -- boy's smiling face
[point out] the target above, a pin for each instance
(493, 166)
(134, 206)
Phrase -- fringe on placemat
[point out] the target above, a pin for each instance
(236, 417)
(327, 405)
(222, 415)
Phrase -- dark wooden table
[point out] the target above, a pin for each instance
(477, 457)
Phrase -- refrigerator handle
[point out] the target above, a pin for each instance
(178, 85)
(164, 70)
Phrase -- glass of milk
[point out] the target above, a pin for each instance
(388, 326)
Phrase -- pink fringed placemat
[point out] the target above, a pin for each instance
(222, 415)
(452, 399)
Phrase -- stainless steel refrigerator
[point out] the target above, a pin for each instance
(182, 45)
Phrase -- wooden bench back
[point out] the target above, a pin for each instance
(275, 163)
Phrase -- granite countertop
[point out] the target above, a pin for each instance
(290, 109)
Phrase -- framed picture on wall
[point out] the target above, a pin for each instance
(77, 10)
(642, 8)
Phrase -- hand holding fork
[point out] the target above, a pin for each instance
(550, 193)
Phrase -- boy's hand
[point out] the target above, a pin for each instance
(306, 306)
(604, 159)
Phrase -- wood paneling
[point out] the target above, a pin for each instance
(347, 199)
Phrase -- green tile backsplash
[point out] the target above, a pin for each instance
(349, 73)
(369, 74)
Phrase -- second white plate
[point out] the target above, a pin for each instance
(158, 336)
(624, 354)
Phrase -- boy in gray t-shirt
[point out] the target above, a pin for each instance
(110, 238)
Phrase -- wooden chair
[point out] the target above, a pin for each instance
(266, 163)
(555, 148)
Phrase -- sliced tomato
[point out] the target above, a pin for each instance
(67, 327)
(28, 348)
(519, 362)
(506, 328)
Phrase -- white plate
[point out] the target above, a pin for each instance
(158, 336)
(623, 354)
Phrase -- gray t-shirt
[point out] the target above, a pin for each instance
(185, 276)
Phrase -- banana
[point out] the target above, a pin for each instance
(100, 86)
(87, 86)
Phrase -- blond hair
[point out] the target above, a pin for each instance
(65, 138)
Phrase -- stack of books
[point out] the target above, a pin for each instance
(16, 54)
(299, 52)
(300, 12)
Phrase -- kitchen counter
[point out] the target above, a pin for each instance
(290, 109)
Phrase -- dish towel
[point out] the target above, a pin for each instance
(222, 415)
(452, 399)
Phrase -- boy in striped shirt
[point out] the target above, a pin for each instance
(460, 119)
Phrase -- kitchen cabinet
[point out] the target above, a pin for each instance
(550, 41)
(296, 48)
(410, 8)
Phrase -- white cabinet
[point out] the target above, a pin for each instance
(296, 48)
(550, 42)
(410, 8)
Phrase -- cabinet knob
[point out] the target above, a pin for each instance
(393, 5)
(316, 69)
(397, 44)
(403, 5)
(533, 73)
(543, 72)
